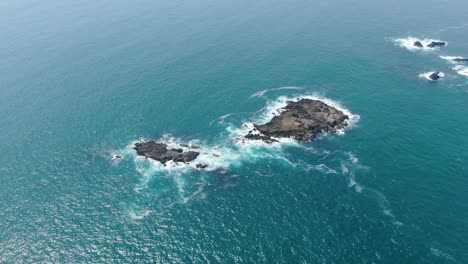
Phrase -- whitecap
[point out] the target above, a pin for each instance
(353, 158)
(451, 58)
(439, 253)
(321, 168)
(263, 92)
(222, 118)
(344, 169)
(353, 183)
(134, 214)
(198, 193)
(462, 70)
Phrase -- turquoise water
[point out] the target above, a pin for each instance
(80, 81)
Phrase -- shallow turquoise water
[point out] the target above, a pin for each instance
(79, 81)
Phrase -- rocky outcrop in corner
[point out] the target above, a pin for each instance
(160, 152)
(302, 120)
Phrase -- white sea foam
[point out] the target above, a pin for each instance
(263, 92)
(348, 168)
(321, 168)
(426, 75)
(439, 253)
(353, 158)
(135, 214)
(408, 43)
(353, 183)
(451, 58)
(344, 169)
(222, 118)
(460, 69)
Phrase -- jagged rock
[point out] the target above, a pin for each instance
(434, 44)
(418, 44)
(160, 152)
(201, 166)
(435, 76)
(302, 120)
(460, 59)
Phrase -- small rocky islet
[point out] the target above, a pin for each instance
(302, 120)
(160, 152)
(432, 44)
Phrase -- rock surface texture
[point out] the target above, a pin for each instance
(160, 152)
(302, 120)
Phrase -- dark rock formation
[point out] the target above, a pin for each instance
(201, 166)
(418, 44)
(254, 135)
(160, 152)
(460, 59)
(435, 76)
(434, 44)
(302, 120)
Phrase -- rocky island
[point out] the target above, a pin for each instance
(160, 152)
(302, 120)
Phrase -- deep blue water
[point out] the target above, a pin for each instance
(81, 80)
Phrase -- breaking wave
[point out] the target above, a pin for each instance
(462, 70)
(451, 58)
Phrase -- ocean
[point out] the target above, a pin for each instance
(81, 81)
